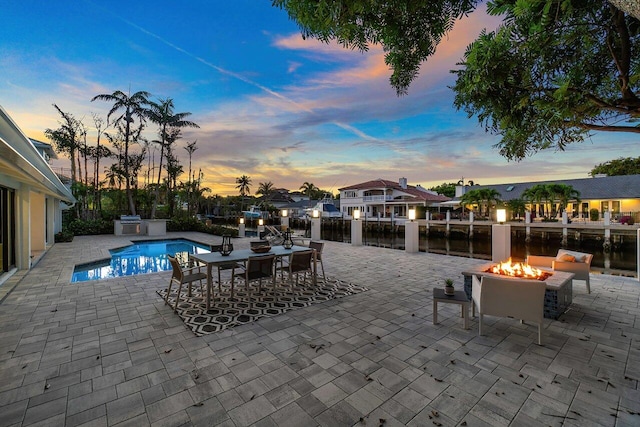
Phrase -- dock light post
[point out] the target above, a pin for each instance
(500, 238)
(356, 229)
(260, 228)
(316, 225)
(411, 233)
(284, 219)
(241, 228)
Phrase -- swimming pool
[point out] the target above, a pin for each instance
(144, 256)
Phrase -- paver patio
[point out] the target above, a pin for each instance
(112, 353)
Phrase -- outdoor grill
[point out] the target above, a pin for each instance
(130, 224)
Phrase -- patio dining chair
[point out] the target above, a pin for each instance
(318, 246)
(299, 262)
(182, 275)
(231, 265)
(258, 268)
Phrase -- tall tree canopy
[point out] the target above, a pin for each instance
(555, 71)
(169, 124)
(409, 31)
(446, 189)
(134, 106)
(621, 166)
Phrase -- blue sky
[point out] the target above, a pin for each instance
(270, 105)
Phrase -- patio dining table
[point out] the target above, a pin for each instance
(212, 259)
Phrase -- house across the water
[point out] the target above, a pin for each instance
(381, 198)
(619, 195)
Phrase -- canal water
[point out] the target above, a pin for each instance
(621, 260)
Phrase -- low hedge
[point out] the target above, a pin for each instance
(192, 224)
(78, 227)
(89, 227)
(63, 236)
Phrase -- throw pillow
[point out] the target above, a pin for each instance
(578, 256)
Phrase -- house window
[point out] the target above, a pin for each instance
(615, 206)
(349, 194)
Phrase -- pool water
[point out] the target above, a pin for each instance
(149, 256)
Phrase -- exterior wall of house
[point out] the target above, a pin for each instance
(377, 202)
(32, 194)
(37, 206)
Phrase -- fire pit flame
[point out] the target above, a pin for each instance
(518, 269)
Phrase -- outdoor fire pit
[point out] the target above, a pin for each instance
(559, 292)
(518, 269)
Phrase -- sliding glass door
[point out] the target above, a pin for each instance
(7, 229)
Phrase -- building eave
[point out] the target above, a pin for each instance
(20, 160)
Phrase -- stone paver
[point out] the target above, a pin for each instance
(112, 353)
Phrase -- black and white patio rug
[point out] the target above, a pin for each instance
(226, 313)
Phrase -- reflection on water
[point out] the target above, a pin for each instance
(139, 258)
(621, 260)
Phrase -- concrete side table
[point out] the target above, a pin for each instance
(459, 297)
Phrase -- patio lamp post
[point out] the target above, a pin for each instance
(500, 237)
(356, 229)
(411, 235)
(260, 228)
(284, 219)
(241, 228)
(316, 225)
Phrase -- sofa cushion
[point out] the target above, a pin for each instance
(570, 256)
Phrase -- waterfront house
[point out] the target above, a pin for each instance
(381, 198)
(31, 198)
(619, 195)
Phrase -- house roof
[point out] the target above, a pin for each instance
(607, 187)
(418, 193)
(376, 183)
(44, 147)
(20, 160)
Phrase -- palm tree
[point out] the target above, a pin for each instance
(244, 187)
(133, 106)
(517, 207)
(169, 123)
(481, 196)
(490, 196)
(563, 193)
(67, 137)
(470, 198)
(308, 188)
(266, 189)
(191, 148)
(537, 194)
(113, 175)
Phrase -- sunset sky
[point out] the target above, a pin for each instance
(270, 105)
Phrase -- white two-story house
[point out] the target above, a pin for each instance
(381, 198)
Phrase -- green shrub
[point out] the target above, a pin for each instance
(63, 236)
(594, 214)
(193, 224)
(90, 227)
(184, 224)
